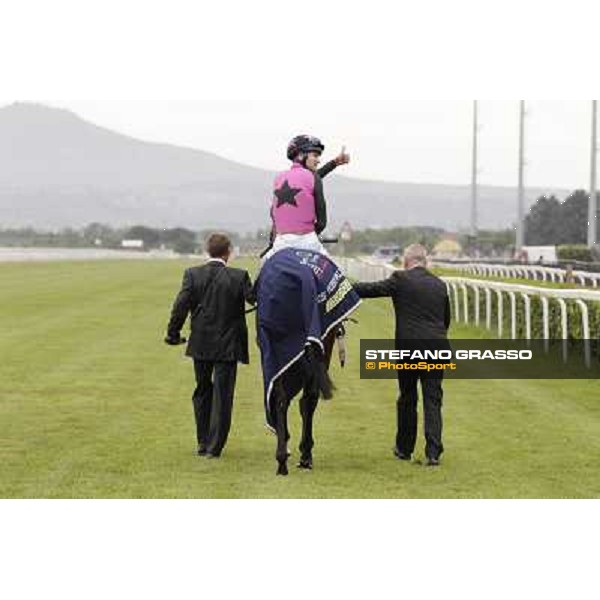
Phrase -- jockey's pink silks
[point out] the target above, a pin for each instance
(296, 212)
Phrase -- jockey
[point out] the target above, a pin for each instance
(298, 210)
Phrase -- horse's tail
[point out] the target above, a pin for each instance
(317, 372)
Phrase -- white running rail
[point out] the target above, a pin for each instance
(533, 272)
(499, 297)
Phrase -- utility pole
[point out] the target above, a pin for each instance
(592, 206)
(520, 238)
(474, 174)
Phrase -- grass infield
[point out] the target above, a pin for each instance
(94, 405)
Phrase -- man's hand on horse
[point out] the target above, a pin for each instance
(342, 158)
(175, 341)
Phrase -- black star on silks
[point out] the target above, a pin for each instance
(286, 195)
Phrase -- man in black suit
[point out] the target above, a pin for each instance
(422, 313)
(215, 295)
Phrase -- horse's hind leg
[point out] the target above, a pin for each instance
(308, 405)
(281, 408)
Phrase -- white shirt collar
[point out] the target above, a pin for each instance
(217, 260)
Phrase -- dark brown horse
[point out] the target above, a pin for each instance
(303, 300)
(313, 369)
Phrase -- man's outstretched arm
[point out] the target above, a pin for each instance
(375, 289)
(320, 206)
(327, 168)
(341, 159)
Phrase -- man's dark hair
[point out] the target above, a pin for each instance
(218, 245)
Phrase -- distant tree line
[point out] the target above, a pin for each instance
(487, 242)
(551, 222)
(185, 241)
(178, 239)
(366, 241)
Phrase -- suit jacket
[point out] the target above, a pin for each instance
(420, 301)
(215, 296)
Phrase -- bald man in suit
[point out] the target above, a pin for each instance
(422, 310)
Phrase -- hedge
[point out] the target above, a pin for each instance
(537, 328)
(577, 252)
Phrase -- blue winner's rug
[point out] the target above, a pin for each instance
(301, 296)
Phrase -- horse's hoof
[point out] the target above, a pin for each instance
(282, 470)
(306, 464)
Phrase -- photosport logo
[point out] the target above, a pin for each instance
(481, 359)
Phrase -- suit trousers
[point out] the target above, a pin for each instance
(406, 435)
(213, 403)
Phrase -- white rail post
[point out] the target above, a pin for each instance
(500, 316)
(527, 304)
(465, 301)
(565, 327)
(585, 327)
(545, 323)
(476, 292)
(513, 315)
(456, 302)
(488, 308)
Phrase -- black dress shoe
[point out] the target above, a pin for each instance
(400, 455)
(433, 462)
(201, 451)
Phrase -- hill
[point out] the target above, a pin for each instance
(59, 170)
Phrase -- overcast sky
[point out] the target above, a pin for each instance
(418, 141)
(361, 53)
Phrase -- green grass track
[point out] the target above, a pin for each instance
(94, 405)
